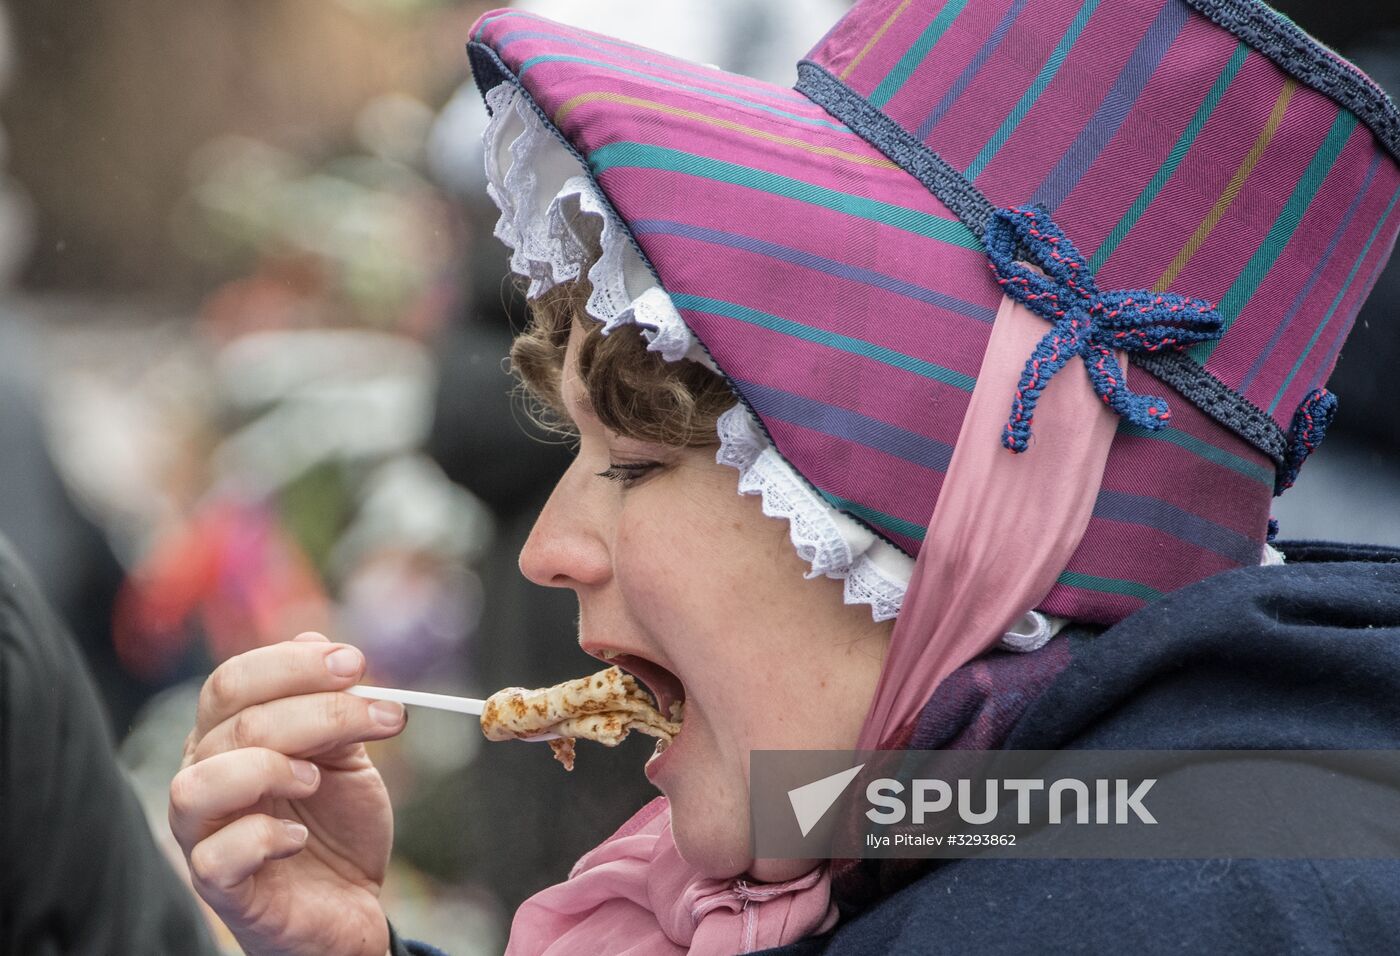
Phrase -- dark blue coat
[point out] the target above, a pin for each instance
(1305, 656)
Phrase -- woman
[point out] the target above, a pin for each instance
(794, 284)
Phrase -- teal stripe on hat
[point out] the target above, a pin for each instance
(487, 21)
(1202, 449)
(1173, 160)
(917, 53)
(902, 526)
(642, 156)
(1089, 582)
(1234, 301)
(1028, 99)
(662, 81)
(1341, 294)
(843, 343)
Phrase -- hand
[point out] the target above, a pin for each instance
(284, 820)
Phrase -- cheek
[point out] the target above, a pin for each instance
(679, 568)
(674, 565)
(648, 561)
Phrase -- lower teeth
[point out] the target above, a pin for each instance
(661, 744)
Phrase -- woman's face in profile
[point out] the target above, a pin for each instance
(705, 599)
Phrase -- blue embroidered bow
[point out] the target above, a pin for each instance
(1086, 322)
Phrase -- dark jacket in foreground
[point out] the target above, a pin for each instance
(80, 873)
(1305, 656)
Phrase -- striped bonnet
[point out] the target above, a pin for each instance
(1197, 183)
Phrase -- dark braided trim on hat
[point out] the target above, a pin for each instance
(899, 145)
(975, 210)
(1304, 58)
(1217, 400)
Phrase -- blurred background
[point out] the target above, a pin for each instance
(252, 325)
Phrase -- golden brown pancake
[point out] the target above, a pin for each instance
(605, 707)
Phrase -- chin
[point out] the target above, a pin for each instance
(712, 837)
(720, 851)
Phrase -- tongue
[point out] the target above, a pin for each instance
(664, 686)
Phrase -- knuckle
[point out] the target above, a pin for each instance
(222, 688)
(271, 765)
(191, 744)
(246, 729)
(270, 834)
(223, 683)
(184, 791)
(206, 864)
(339, 714)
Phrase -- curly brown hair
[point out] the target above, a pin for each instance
(633, 392)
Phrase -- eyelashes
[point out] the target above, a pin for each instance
(627, 474)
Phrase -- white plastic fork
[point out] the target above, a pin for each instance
(458, 705)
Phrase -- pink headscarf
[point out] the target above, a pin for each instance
(1004, 529)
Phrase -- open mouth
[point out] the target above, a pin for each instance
(665, 687)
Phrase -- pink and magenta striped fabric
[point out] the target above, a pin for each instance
(850, 308)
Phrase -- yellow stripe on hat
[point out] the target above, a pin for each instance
(1232, 189)
(863, 160)
(874, 39)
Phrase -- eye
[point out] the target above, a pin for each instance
(627, 474)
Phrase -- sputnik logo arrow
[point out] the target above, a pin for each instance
(811, 801)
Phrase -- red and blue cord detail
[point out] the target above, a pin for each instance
(1310, 423)
(1084, 321)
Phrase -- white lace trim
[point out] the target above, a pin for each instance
(1032, 632)
(553, 219)
(835, 545)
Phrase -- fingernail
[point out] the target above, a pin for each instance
(344, 662)
(295, 830)
(305, 771)
(386, 712)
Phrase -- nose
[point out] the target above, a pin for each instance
(567, 547)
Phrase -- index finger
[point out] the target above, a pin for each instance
(306, 665)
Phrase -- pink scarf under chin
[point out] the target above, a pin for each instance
(1004, 529)
(634, 895)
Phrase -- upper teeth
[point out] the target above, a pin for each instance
(607, 653)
